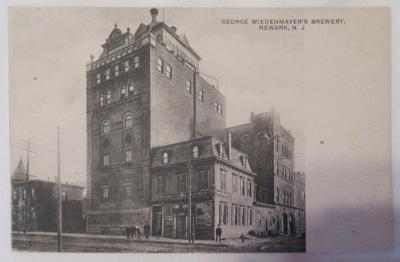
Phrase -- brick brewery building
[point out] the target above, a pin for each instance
(153, 125)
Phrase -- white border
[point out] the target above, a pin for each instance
(5, 242)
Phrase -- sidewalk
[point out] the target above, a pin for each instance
(230, 242)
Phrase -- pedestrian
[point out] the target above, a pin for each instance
(147, 230)
(138, 232)
(158, 232)
(132, 232)
(218, 233)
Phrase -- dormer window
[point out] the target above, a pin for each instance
(243, 160)
(165, 157)
(195, 151)
(220, 150)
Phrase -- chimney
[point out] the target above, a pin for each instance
(252, 116)
(154, 13)
(173, 28)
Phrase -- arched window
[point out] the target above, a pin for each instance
(108, 98)
(128, 122)
(106, 127)
(123, 91)
(101, 100)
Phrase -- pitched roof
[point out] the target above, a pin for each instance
(20, 172)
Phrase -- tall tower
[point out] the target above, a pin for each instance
(140, 94)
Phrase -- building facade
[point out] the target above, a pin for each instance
(140, 94)
(222, 186)
(34, 204)
(270, 149)
(148, 109)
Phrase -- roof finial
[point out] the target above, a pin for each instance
(115, 25)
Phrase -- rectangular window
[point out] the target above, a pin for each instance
(232, 214)
(242, 187)
(136, 62)
(168, 71)
(128, 155)
(106, 160)
(195, 152)
(249, 188)
(108, 97)
(245, 142)
(105, 194)
(243, 216)
(107, 74)
(225, 215)
(259, 218)
(168, 209)
(234, 183)
(216, 106)
(203, 179)
(181, 182)
(64, 195)
(126, 66)
(189, 86)
(161, 183)
(127, 191)
(15, 194)
(201, 95)
(98, 78)
(116, 70)
(251, 216)
(236, 215)
(165, 157)
(159, 65)
(220, 213)
(223, 180)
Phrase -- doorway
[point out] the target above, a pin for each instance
(181, 226)
(285, 223)
(157, 221)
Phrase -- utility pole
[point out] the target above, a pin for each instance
(190, 199)
(59, 213)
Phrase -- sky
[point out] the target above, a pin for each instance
(49, 48)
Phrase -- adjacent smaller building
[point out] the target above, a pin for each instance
(34, 204)
(222, 186)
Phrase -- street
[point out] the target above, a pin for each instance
(47, 242)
